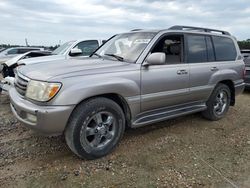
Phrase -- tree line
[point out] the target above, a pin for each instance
(245, 44)
(50, 48)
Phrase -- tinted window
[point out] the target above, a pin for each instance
(210, 49)
(24, 50)
(172, 46)
(197, 50)
(87, 47)
(224, 49)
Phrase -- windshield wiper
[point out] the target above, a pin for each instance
(119, 58)
(96, 55)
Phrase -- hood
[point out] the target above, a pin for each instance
(4, 59)
(41, 59)
(72, 67)
(13, 60)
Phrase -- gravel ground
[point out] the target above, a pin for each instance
(185, 152)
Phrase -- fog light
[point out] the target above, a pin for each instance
(32, 118)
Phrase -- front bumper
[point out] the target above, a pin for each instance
(48, 120)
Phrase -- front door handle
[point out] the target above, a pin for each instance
(182, 72)
(214, 69)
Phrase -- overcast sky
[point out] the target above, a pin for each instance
(46, 22)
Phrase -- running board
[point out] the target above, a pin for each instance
(165, 114)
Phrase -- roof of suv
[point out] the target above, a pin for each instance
(187, 29)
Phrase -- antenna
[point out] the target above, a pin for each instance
(26, 42)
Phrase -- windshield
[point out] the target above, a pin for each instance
(63, 48)
(126, 47)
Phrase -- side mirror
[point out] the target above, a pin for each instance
(75, 51)
(157, 58)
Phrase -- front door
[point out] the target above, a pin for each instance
(166, 85)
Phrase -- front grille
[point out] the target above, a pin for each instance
(21, 83)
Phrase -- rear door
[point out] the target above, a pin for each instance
(201, 58)
(205, 63)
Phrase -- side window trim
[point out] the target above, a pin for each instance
(208, 37)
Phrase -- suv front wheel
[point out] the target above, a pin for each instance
(218, 103)
(95, 128)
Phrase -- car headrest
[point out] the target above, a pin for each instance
(175, 49)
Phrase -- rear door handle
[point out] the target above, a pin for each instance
(214, 69)
(182, 72)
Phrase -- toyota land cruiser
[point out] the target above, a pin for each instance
(134, 79)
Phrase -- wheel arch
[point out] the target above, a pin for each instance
(121, 101)
(230, 84)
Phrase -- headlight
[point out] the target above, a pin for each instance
(42, 91)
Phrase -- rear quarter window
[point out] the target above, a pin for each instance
(224, 49)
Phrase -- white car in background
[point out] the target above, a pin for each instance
(12, 52)
(71, 49)
(9, 65)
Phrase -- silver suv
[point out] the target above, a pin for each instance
(134, 79)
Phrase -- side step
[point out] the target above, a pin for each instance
(165, 114)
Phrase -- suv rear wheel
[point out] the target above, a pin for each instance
(218, 103)
(95, 128)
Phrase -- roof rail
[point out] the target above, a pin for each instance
(190, 28)
(136, 29)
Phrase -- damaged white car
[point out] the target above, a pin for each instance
(71, 49)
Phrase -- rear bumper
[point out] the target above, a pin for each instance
(48, 120)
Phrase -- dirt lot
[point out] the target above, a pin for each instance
(184, 152)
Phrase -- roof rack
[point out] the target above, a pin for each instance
(190, 28)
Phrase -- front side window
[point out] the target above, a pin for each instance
(172, 46)
(197, 50)
(126, 47)
(63, 48)
(87, 47)
(224, 49)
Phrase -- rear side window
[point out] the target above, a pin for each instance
(224, 49)
(197, 49)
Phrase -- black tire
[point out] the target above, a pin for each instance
(83, 117)
(211, 113)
